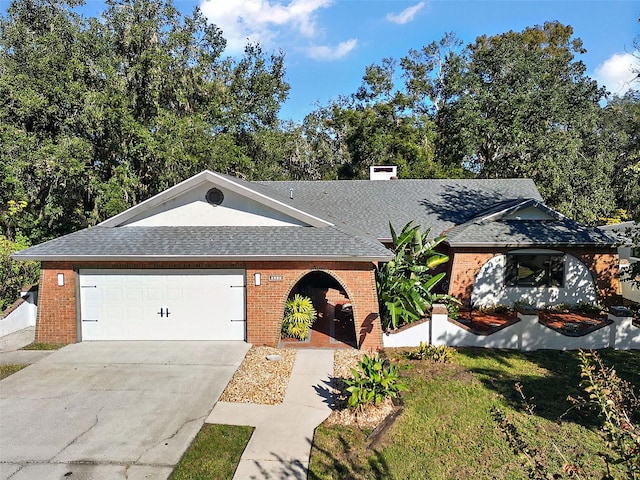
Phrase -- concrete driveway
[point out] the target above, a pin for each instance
(110, 410)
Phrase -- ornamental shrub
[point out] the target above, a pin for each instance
(375, 380)
(14, 275)
(299, 316)
(426, 351)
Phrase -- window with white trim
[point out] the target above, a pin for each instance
(534, 270)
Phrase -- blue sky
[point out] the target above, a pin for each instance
(328, 43)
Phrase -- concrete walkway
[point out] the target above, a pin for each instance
(11, 344)
(281, 442)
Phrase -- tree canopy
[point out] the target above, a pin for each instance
(518, 104)
(101, 113)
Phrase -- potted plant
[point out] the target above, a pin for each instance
(299, 316)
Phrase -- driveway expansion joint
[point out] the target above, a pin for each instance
(80, 435)
(199, 420)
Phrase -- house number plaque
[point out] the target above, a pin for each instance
(276, 278)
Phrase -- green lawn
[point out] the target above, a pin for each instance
(447, 432)
(214, 453)
(43, 346)
(6, 370)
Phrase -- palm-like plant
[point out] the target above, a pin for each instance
(405, 284)
(299, 316)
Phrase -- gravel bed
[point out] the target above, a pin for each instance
(259, 380)
(265, 382)
(346, 359)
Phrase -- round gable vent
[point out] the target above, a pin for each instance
(214, 196)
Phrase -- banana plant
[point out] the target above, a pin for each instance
(405, 284)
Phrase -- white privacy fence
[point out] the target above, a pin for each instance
(527, 334)
(21, 314)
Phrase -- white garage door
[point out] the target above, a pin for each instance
(162, 304)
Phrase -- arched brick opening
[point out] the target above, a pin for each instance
(335, 325)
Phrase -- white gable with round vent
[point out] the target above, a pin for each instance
(208, 205)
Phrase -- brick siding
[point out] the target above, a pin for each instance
(58, 318)
(465, 266)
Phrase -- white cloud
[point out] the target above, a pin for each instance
(262, 21)
(323, 52)
(407, 15)
(616, 72)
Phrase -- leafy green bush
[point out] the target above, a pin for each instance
(589, 308)
(497, 309)
(502, 309)
(426, 351)
(559, 308)
(14, 275)
(582, 307)
(299, 316)
(375, 380)
(616, 403)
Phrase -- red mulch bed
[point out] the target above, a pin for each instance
(573, 324)
(484, 323)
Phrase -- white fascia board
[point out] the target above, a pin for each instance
(528, 245)
(220, 181)
(202, 258)
(505, 211)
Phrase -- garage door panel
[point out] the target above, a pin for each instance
(133, 305)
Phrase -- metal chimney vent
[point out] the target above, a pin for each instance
(214, 196)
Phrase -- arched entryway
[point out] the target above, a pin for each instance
(334, 327)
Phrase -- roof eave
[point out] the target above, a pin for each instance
(200, 258)
(530, 245)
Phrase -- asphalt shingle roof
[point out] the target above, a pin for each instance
(369, 206)
(622, 232)
(228, 242)
(526, 233)
(360, 210)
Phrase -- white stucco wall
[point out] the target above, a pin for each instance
(192, 209)
(410, 337)
(489, 288)
(527, 335)
(22, 317)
